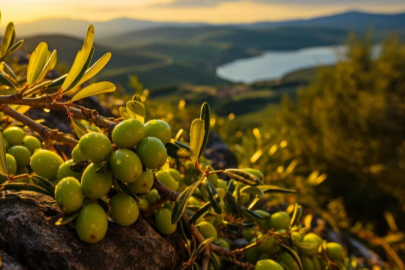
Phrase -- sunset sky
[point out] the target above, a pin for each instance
(213, 11)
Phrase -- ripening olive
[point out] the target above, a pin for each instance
(335, 251)
(14, 135)
(223, 243)
(268, 265)
(222, 184)
(143, 203)
(91, 223)
(286, 259)
(158, 129)
(213, 178)
(307, 263)
(316, 263)
(249, 234)
(268, 245)
(163, 221)
(279, 221)
(11, 167)
(167, 180)
(32, 143)
(95, 147)
(144, 183)
(175, 174)
(65, 171)
(77, 155)
(252, 255)
(296, 236)
(128, 133)
(152, 196)
(152, 153)
(207, 230)
(21, 154)
(310, 250)
(125, 211)
(96, 184)
(125, 165)
(46, 163)
(69, 195)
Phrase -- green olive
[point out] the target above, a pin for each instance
(222, 184)
(313, 239)
(69, 195)
(279, 221)
(11, 167)
(207, 230)
(268, 245)
(46, 163)
(143, 203)
(286, 259)
(21, 154)
(128, 133)
(316, 263)
(143, 184)
(223, 243)
(167, 180)
(77, 155)
(32, 143)
(335, 251)
(124, 209)
(263, 223)
(14, 135)
(125, 165)
(91, 223)
(163, 221)
(158, 129)
(95, 147)
(96, 184)
(307, 263)
(252, 255)
(65, 171)
(152, 196)
(152, 153)
(268, 265)
(175, 174)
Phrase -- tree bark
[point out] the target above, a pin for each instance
(29, 239)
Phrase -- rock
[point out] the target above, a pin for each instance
(29, 239)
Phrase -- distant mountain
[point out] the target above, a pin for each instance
(349, 21)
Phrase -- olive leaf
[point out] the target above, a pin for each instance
(4, 80)
(95, 68)
(94, 89)
(136, 110)
(296, 216)
(200, 212)
(172, 150)
(8, 69)
(275, 189)
(242, 176)
(67, 218)
(37, 63)
(79, 128)
(24, 186)
(213, 197)
(3, 158)
(51, 61)
(196, 138)
(181, 202)
(127, 190)
(206, 116)
(252, 190)
(230, 203)
(182, 145)
(12, 49)
(202, 246)
(80, 60)
(7, 39)
(44, 183)
(293, 254)
(253, 214)
(124, 113)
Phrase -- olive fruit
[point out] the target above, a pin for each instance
(175, 174)
(124, 209)
(249, 234)
(125, 165)
(316, 263)
(158, 129)
(263, 223)
(222, 184)
(335, 251)
(310, 250)
(46, 163)
(21, 154)
(32, 143)
(152, 153)
(167, 180)
(143, 184)
(268, 245)
(163, 221)
(91, 223)
(152, 196)
(279, 221)
(296, 236)
(286, 259)
(11, 164)
(77, 155)
(223, 243)
(65, 171)
(213, 178)
(96, 184)
(207, 230)
(307, 263)
(69, 195)
(268, 265)
(6, 144)
(252, 255)
(95, 147)
(143, 203)
(14, 135)
(128, 133)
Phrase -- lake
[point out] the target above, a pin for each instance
(275, 64)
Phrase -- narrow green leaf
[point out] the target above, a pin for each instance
(203, 244)
(293, 254)
(94, 89)
(8, 69)
(78, 167)
(196, 138)
(44, 183)
(296, 216)
(124, 113)
(58, 82)
(136, 110)
(214, 261)
(200, 212)
(76, 81)
(206, 116)
(127, 190)
(24, 186)
(213, 197)
(242, 176)
(230, 203)
(4, 80)
(172, 150)
(81, 58)
(12, 49)
(275, 189)
(67, 218)
(96, 68)
(253, 214)
(252, 190)
(47, 66)
(7, 38)
(182, 145)
(3, 158)
(181, 202)
(37, 63)
(79, 129)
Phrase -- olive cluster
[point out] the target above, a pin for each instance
(20, 147)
